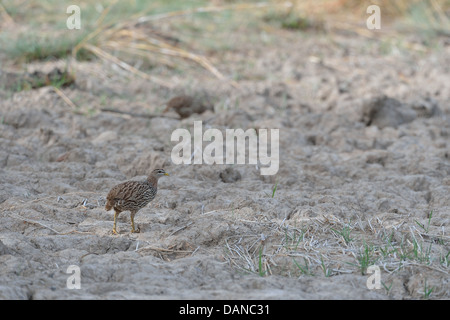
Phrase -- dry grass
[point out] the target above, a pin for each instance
(326, 246)
(118, 40)
(126, 39)
(131, 37)
(409, 16)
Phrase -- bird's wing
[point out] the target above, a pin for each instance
(129, 190)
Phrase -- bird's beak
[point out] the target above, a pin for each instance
(166, 174)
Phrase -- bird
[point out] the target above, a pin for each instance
(186, 105)
(133, 196)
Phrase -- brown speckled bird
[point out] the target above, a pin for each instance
(133, 196)
(186, 105)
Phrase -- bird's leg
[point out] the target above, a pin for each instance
(116, 214)
(133, 230)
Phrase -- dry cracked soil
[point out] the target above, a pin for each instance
(363, 179)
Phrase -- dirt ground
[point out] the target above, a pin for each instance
(363, 178)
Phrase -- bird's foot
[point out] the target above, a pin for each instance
(114, 231)
(137, 230)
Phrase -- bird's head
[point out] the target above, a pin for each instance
(158, 173)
